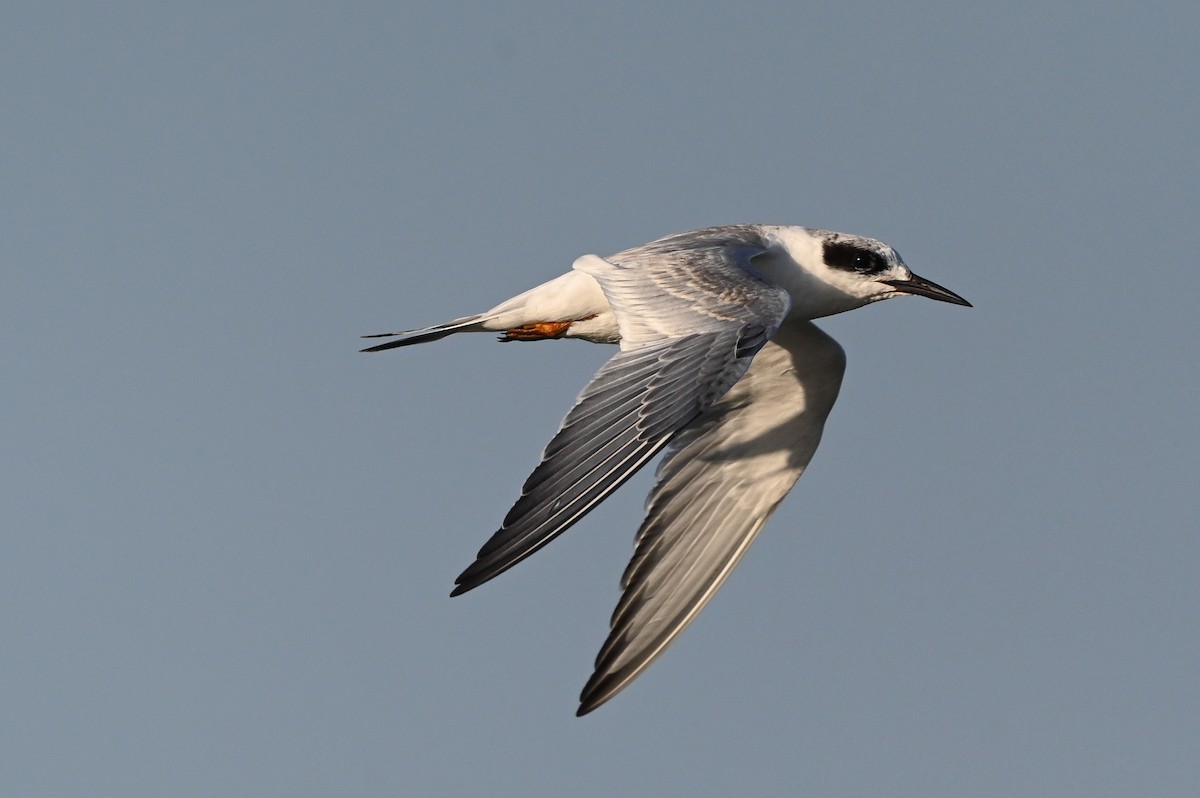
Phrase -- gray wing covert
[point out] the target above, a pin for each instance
(691, 282)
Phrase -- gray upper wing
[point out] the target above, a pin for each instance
(722, 478)
(700, 281)
(692, 317)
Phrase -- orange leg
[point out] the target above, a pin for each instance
(537, 331)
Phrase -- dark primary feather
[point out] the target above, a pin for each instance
(624, 416)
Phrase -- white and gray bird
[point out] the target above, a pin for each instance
(721, 365)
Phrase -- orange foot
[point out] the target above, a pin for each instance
(537, 331)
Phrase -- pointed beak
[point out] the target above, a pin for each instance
(919, 286)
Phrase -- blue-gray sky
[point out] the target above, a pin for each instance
(228, 538)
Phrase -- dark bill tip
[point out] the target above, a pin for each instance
(919, 286)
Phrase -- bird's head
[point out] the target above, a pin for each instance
(870, 270)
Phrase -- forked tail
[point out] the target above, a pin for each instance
(437, 331)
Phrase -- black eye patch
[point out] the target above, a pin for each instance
(853, 258)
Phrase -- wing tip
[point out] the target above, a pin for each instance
(601, 687)
(472, 577)
(588, 702)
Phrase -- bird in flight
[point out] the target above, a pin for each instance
(721, 366)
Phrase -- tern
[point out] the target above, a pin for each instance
(721, 366)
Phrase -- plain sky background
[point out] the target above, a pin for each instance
(228, 538)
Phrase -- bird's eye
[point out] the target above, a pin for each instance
(853, 258)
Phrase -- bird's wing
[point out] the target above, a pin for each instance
(688, 282)
(721, 479)
(685, 342)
